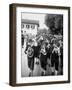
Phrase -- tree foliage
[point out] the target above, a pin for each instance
(55, 23)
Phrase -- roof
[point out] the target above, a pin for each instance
(30, 21)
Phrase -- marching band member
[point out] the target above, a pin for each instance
(61, 58)
(49, 59)
(22, 40)
(43, 59)
(55, 59)
(30, 56)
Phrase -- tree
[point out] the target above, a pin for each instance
(55, 23)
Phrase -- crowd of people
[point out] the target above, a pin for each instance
(47, 53)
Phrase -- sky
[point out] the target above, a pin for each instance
(35, 16)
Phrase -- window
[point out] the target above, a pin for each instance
(27, 26)
(22, 26)
(33, 26)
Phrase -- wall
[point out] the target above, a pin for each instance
(4, 45)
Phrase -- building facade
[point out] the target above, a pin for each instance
(29, 26)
